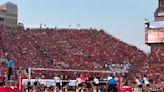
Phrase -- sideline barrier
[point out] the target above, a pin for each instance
(126, 89)
(123, 88)
(6, 89)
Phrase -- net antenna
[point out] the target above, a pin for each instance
(64, 70)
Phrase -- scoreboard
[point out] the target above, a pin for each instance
(154, 32)
(154, 36)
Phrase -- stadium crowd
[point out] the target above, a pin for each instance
(79, 49)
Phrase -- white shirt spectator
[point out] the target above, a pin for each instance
(96, 81)
(57, 79)
(146, 81)
(78, 81)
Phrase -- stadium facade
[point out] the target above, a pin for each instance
(8, 14)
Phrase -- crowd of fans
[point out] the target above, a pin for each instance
(80, 49)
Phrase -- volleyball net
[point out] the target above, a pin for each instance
(71, 82)
(65, 72)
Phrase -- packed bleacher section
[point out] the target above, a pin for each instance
(155, 65)
(82, 49)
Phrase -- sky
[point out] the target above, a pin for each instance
(124, 19)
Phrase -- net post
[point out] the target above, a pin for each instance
(29, 73)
